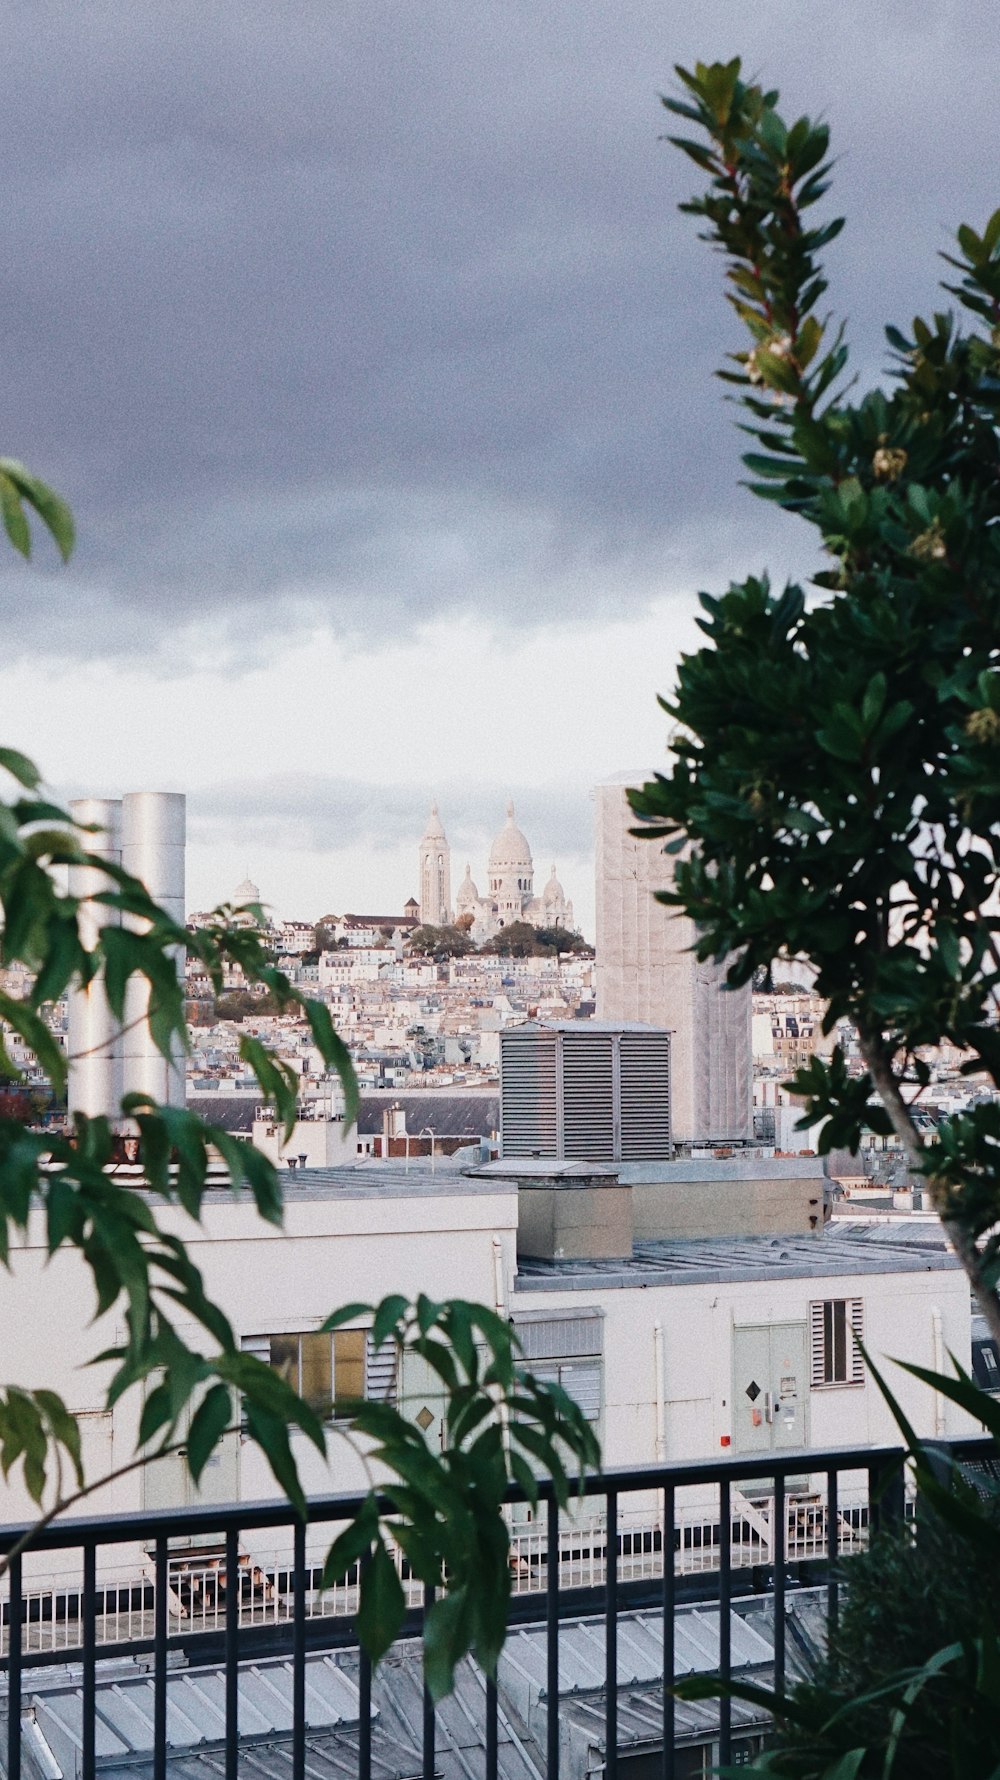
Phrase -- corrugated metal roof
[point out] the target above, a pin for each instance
(640, 1649)
(53, 1702)
(196, 1722)
(714, 1260)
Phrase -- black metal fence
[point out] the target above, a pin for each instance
(820, 1503)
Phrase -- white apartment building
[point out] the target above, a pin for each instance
(676, 1350)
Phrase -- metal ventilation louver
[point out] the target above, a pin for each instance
(593, 1095)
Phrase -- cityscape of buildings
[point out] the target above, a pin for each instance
(600, 1143)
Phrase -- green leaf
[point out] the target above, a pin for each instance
(14, 520)
(446, 1639)
(50, 507)
(353, 1544)
(350, 1313)
(335, 1055)
(382, 1607)
(209, 1423)
(21, 768)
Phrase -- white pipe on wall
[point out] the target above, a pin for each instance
(93, 1034)
(660, 1373)
(938, 1345)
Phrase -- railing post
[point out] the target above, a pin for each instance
(669, 1607)
(89, 1700)
(725, 1622)
(429, 1738)
(887, 1493)
(160, 1662)
(832, 1552)
(611, 1641)
(552, 1642)
(778, 1535)
(232, 1655)
(299, 1652)
(15, 1623)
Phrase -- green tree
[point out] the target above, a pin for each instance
(562, 939)
(833, 798)
(516, 940)
(240, 1005)
(444, 1507)
(440, 942)
(835, 780)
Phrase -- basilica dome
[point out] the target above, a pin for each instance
(553, 892)
(510, 851)
(246, 892)
(467, 892)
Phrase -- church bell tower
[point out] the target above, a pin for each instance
(435, 874)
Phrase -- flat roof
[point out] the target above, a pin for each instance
(720, 1260)
(738, 1166)
(374, 1180)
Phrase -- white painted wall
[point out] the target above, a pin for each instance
(363, 1241)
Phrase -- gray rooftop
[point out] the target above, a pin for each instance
(196, 1722)
(375, 1180)
(196, 1705)
(469, 1112)
(720, 1260)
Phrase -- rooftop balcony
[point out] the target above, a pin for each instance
(182, 1645)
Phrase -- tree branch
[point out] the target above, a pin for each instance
(888, 1090)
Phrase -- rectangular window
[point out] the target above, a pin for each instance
(836, 1357)
(566, 1349)
(325, 1367)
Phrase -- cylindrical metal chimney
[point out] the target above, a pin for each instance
(93, 1034)
(153, 838)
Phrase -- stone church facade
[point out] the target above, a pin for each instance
(509, 895)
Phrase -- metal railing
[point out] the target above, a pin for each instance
(222, 1585)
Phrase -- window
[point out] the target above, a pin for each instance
(322, 1367)
(566, 1350)
(836, 1357)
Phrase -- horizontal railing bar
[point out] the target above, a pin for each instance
(146, 1525)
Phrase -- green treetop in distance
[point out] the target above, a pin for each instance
(834, 792)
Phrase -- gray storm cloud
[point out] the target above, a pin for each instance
(375, 312)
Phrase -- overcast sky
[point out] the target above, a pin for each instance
(371, 351)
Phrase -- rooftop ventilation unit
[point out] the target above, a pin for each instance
(599, 1092)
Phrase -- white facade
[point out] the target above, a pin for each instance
(675, 1339)
(646, 971)
(510, 894)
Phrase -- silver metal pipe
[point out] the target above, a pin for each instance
(93, 1033)
(153, 843)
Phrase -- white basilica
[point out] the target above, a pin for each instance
(510, 895)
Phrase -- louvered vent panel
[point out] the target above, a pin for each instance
(817, 1344)
(645, 1096)
(381, 1364)
(856, 1320)
(588, 1096)
(546, 1338)
(580, 1379)
(528, 1094)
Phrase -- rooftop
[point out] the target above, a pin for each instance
(715, 1261)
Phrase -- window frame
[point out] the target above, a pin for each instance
(380, 1376)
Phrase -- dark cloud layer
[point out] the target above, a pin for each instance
(384, 309)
